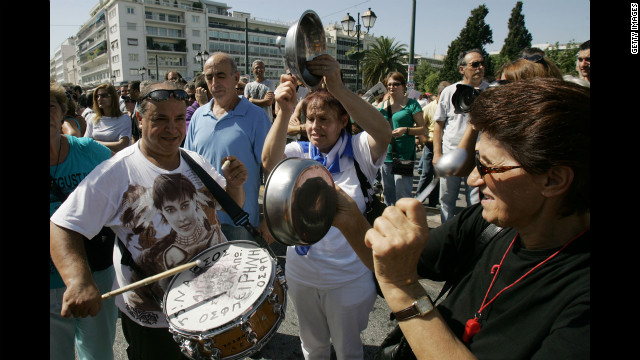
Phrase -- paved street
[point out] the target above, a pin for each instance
(285, 344)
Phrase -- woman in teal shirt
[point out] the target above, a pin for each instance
(70, 160)
(406, 118)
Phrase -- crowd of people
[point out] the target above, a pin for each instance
(116, 163)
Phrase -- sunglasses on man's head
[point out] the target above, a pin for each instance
(162, 95)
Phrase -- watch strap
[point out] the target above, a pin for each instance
(412, 310)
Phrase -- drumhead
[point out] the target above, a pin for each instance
(233, 278)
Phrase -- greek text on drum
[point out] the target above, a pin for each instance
(229, 307)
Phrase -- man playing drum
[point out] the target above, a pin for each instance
(160, 211)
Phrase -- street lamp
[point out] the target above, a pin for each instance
(202, 57)
(142, 71)
(368, 19)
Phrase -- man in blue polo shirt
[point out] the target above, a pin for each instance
(230, 125)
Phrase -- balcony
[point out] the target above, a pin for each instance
(95, 53)
(170, 4)
(180, 46)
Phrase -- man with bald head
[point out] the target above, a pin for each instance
(160, 211)
(231, 125)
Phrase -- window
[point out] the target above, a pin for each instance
(196, 47)
(115, 59)
(195, 19)
(132, 42)
(131, 26)
(195, 33)
(174, 32)
(133, 57)
(114, 45)
(113, 28)
(131, 11)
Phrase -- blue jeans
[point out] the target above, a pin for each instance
(449, 189)
(395, 187)
(232, 232)
(427, 172)
(93, 336)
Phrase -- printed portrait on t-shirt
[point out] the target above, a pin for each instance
(171, 223)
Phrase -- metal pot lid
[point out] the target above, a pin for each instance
(305, 40)
(299, 201)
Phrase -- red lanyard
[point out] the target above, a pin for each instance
(472, 326)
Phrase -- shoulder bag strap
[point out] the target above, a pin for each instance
(389, 119)
(364, 183)
(239, 216)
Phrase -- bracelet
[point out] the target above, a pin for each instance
(407, 132)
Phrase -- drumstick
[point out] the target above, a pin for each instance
(152, 279)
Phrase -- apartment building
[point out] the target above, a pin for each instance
(62, 68)
(126, 40)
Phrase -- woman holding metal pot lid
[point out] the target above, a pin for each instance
(331, 289)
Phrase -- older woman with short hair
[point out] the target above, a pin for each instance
(332, 291)
(524, 291)
(107, 124)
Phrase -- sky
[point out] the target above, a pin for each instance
(437, 23)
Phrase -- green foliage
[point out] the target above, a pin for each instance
(383, 57)
(425, 77)
(518, 37)
(565, 59)
(475, 34)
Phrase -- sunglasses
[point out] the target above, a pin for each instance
(536, 58)
(483, 170)
(394, 84)
(162, 95)
(476, 64)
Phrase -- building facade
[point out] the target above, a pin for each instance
(126, 40)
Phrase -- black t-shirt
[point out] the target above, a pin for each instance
(546, 315)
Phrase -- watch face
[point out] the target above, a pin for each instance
(424, 305)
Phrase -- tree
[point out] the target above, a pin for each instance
(383, 57)
(564, 58)
(423, 77)
(475, 34)
(518, 37)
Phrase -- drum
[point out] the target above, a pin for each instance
(231, 306)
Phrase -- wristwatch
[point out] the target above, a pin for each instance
(421, 307)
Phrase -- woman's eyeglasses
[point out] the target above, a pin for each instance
(162, 95)
(483, 170)
(394, 84)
